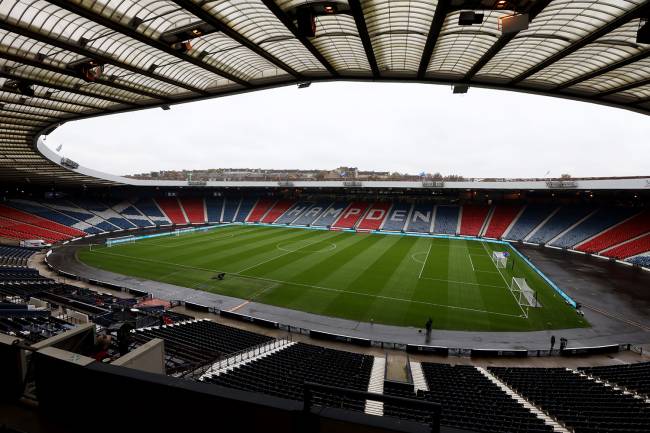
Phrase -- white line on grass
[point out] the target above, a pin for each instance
(329, 289)
(425, 261)
(471, 262)
(507, 286)
(277, 257)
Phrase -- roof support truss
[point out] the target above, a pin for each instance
(442, 9)
(357, 13)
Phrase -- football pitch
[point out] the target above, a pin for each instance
(394, 280)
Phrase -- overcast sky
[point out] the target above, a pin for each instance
(407, 128)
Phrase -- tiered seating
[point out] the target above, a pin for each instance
(636, 226)
(33, 329)
(530, 218)
(37, 221)
(351, 215)
(283, 373)
(22, 282)
(397, 217)
(148, 208)
(583, 405)
(105, 212)
(245, 208)
(446, 221)
(643, 260)
(311, 215)
(471, 401)
(502, 217)
(277, 210)
(19, 230)
(194, 343)
(14, 256)
(261, 208)
(420, 220)
(293, 213)
(53, 215)
(230, 207)
(633, 377)
(331, 214)
(562, 220)
(194, 209)
(172, 209)
(631, 248)
(596, 223)
(213, 208)
(473, 219)
(130, 213)
(97, 223)
(374, 217)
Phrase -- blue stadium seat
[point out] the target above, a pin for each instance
(446, 220)
(420, 220)
(397, 217)
(601, 220)
(530, 218)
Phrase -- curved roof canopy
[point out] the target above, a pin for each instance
(160, 52)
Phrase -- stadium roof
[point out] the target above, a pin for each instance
(585, 50)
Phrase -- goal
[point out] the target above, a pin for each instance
(119, 240)
(500, 259)
(524, 294)
(183, 231)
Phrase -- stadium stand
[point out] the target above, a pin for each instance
(32, 221)
(284, 372)
(330, 214)
(260, 209)
(531, 217)
(194, 209)
(151, 210)
(641, 260)
(472, 219)
(446, 221)
(630, 248)
(86, 216)
(564, 218)
(195, 343)
(103, 211)
(582, 404)
(33, 329)
(172, 208)
(632, 228)
(245, 208)
(213, 209)
(632, 377)
(15, 256)
(133, 215)
(420, 220)
(502, 217)
(469, 401)
(279, 208)
(596, 223)
(53, 215)
(230, 207)
(18, 230)
(351, 215)
(294, 212)
(374, 217)
(397, 217)
(309, 216)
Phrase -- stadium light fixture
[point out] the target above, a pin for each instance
(460, 89)
(468, 18)
(643, 34)
(513, 23)
(304, 84)
(165, 107)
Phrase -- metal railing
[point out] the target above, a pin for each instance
(432, 408)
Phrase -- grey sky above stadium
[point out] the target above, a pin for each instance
(393, 127)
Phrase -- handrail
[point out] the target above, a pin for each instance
(434, 409)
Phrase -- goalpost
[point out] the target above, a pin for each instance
(183, 231)
(524, 294)
(120, 240)
(500, 259)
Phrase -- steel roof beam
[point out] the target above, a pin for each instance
(207, 17)
(623, 88)
(591, 37)
(362, 28)
(503, 40)
(134, 34)
(442, 9)
(284, 18)
(77, 49)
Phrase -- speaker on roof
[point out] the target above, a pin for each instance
(468, 18)
(643, 35)
(306, 22)
(513, 23)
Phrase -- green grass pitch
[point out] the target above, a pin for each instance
(395, 280)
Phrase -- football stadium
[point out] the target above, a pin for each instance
(319, 300)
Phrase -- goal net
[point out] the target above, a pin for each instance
(524, 294)
(119, 240)
(184, 231)
(500, 259)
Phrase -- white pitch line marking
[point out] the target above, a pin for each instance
(425, 261)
